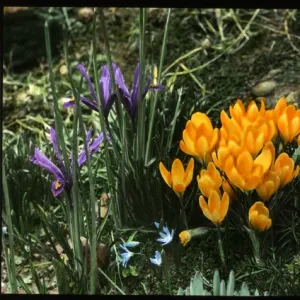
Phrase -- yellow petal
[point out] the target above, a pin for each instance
(184, 148)
(199, 118)
(165, 174)
(214, 203)
(188, 176)
(189, 142)
(191, 130)
(244, 163)
(177, 173)
(214, 174)
(216, 218)
(204, 208)
(260, 208)
(266, 158)
(201, 147)
(224, 206)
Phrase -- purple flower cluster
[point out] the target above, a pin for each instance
(62, 181)
(128, 99)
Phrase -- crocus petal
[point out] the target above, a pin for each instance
(57, 187)
(91, 104)
(105, 84)
(53, 140)
(188, 176)
(166, 175)
(120, 81)
(81, 158)
(96, 143)
(177, 173)
(158, 87)
(41, 160)
(224, 206)
(88, 136)
(84, 73)
(126, 101)
(70, 102)
(135, 89)
(214, 203)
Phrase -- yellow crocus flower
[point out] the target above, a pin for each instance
(269, 186)
(209, 180)
(199, 138)
(259, 217)
(284, 169)
(178, 179)
(217, 208)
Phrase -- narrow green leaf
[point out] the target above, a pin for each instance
(61, 277)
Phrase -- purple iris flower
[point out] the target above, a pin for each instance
(130, 100)
(62, 182)
(105, 86)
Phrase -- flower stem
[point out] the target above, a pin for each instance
(166, 271)
(221, 249)
(10, 258)
(182, 212)
(256, 246)
(153, 110)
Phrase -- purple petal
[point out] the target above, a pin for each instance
(57, 187)
(158, 87)
(53, 140)
(120, 81)
(135, 89)
(96, 143)
(69, 103)
(107, 107)
(105, 85)
(91, 104)
(126, 101)
(88, 80)
(81, 158)
(88, 136)
(41, 160)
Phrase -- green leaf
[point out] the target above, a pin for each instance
(222, 288)
(230, 284)
(216, 284)
(132, 237)
(132, 270)
(125, 272)
(61, 277)
(23, 284)
(296, 155)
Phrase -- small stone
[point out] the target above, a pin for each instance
(264, 88)
(36, 255)
(63, 70)
(85, 13)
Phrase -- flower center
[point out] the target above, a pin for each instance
(72, 99)
(57, 185)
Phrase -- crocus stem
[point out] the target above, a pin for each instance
(10, 258)
(153, 111)
(182, 212)
(255, 244)
(166, 271)
(221, 249)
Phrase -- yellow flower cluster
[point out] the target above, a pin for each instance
(239, 156)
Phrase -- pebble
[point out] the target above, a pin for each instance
(264, 88)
